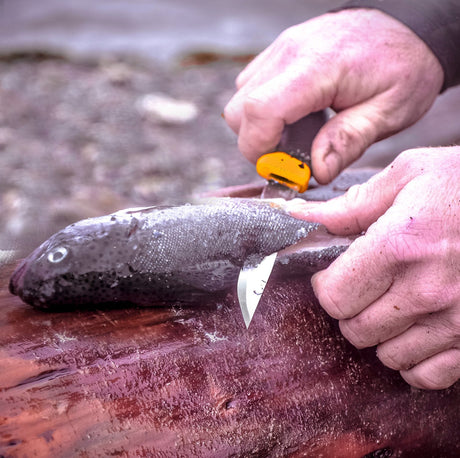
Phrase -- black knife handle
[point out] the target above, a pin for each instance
(297, 138)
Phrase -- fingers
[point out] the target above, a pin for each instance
(397, 285)
(387, 317)
(436, 373)
(427, 352)
(346, 136)
(252, 71)
(371, 264)
(354, 280)
(258, 113)
(426, 349)
(428, 337)
(374, 96)
(361, 206)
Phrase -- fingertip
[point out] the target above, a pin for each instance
(388, 358)
(327, 163)
(249, 148)
(333, 165)
(435, 373)
(355, 338)
(324, 295)
(242, 78)
(259, 132)
(420, 381)
(340, 142)
(232, 115)
(315, 282)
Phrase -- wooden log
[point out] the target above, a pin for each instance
(194, 382)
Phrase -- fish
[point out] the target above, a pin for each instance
(166, 254)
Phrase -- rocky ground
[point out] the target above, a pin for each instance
(80, 139)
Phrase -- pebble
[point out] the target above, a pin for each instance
(165, 109)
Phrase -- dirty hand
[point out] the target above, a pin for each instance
(370, 68)
(398, 285)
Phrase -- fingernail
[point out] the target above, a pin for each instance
(314, 280)
(333, 163)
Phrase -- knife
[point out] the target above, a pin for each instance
(288, 171)
(251, 284)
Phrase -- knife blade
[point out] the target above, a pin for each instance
(288, 172)
(251, 285)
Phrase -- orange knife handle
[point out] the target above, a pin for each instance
(290, 165)
(285, 169)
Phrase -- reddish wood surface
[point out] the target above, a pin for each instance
(195, 382)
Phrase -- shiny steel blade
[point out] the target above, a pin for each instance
(275, 190)
(251, 284)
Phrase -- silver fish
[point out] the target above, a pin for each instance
(155, 255)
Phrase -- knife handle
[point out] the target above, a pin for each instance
(285, 169)
(290, 165)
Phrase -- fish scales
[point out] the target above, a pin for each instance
(155, 255)
(230, 229)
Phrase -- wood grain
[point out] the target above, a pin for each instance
(194, 382)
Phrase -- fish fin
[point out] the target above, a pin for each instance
(135, 210)
(131, 211)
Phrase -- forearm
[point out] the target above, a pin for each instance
(436, 22)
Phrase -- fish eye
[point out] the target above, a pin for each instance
(58, 254)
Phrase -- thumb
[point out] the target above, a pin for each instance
(359, 207)
(346, 136)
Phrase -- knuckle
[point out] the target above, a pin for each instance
(400, 247)
(446, 324)
(289, 38)
(430, 299)
(359, 134)
(328, 298)
(411, 161)
(354, 135)
(406, 158)
(353, 334)
(232, 116)
(436, 373)
(392, 358)
(424, 380)
(347, 140)
(354, 196)
(453, 325)
(254, 108)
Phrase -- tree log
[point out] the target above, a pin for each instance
(193, 381)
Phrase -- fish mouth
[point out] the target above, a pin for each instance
(16, 285)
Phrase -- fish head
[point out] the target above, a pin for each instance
(75, 265)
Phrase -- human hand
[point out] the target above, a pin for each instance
(398, 285)
(370, 68)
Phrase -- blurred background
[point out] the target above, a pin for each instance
(116, 103)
